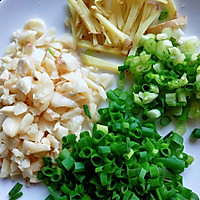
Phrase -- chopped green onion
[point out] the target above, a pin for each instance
(86, 110)
(123, 67)
(195, 133)
(79, 167)
(15, 189)
(128, 156)
(57, 176)
(180, 128)
(18, 195)
(69, 140)
(165, 120)
(53, 193)
(104, 149)
(153, 114)
(47, 161)
(51, 52)
(68, 163)
(102, 128)
(49, 197)
(163, 15)
(120, 84)
(47, 171)
(190, 160)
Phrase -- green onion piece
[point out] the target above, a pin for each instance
(96, 160)
(122, 75)
(84, 134)
(181, 95)
(112, 185)
(165, 120)
(65, 189)
(47, 161)
(99, 193)
(149, 97)
(143, 156)
(120, 84)
(176, 140)
(173, 163)
(15, 189)
(189, 87)
(133, 170)
(102, 128)
(86, 197)
(171, 99)
(16, 196)
(110, 167)
(128, 156)
(122, 68)
(53, 193)
(75, 194)
(49, 197)
(79, 167)
(64, 154)
(63, 198)
(99, 169)
(195, 133)
(194, 196)
(51, 52)
(120, 173)
(161, 51)
(142, 174)
(150, 45)
(148, 145)
(190, 160)
(57, 176)
(146, 87)
(155, 182)
(104, 149)
(86, 152)
(154, 171)
(105, 179)
(47, 171)
(147, 132)
(165, 151)
(174, 42)
(86, 110)
(153, 114)
(69, 140)
(185, 113)
(180, 128)
(68, 163)
(154, 88)
(111, 95)
(158, 68)
(40, 175)
(163, 15)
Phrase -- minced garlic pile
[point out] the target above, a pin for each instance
(42, 92)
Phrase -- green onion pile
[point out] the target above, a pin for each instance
(166, 74)
(123, 159)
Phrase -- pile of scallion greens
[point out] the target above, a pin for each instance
(125, 158)
(166, 73)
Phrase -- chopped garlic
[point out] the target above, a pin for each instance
(42, 92)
